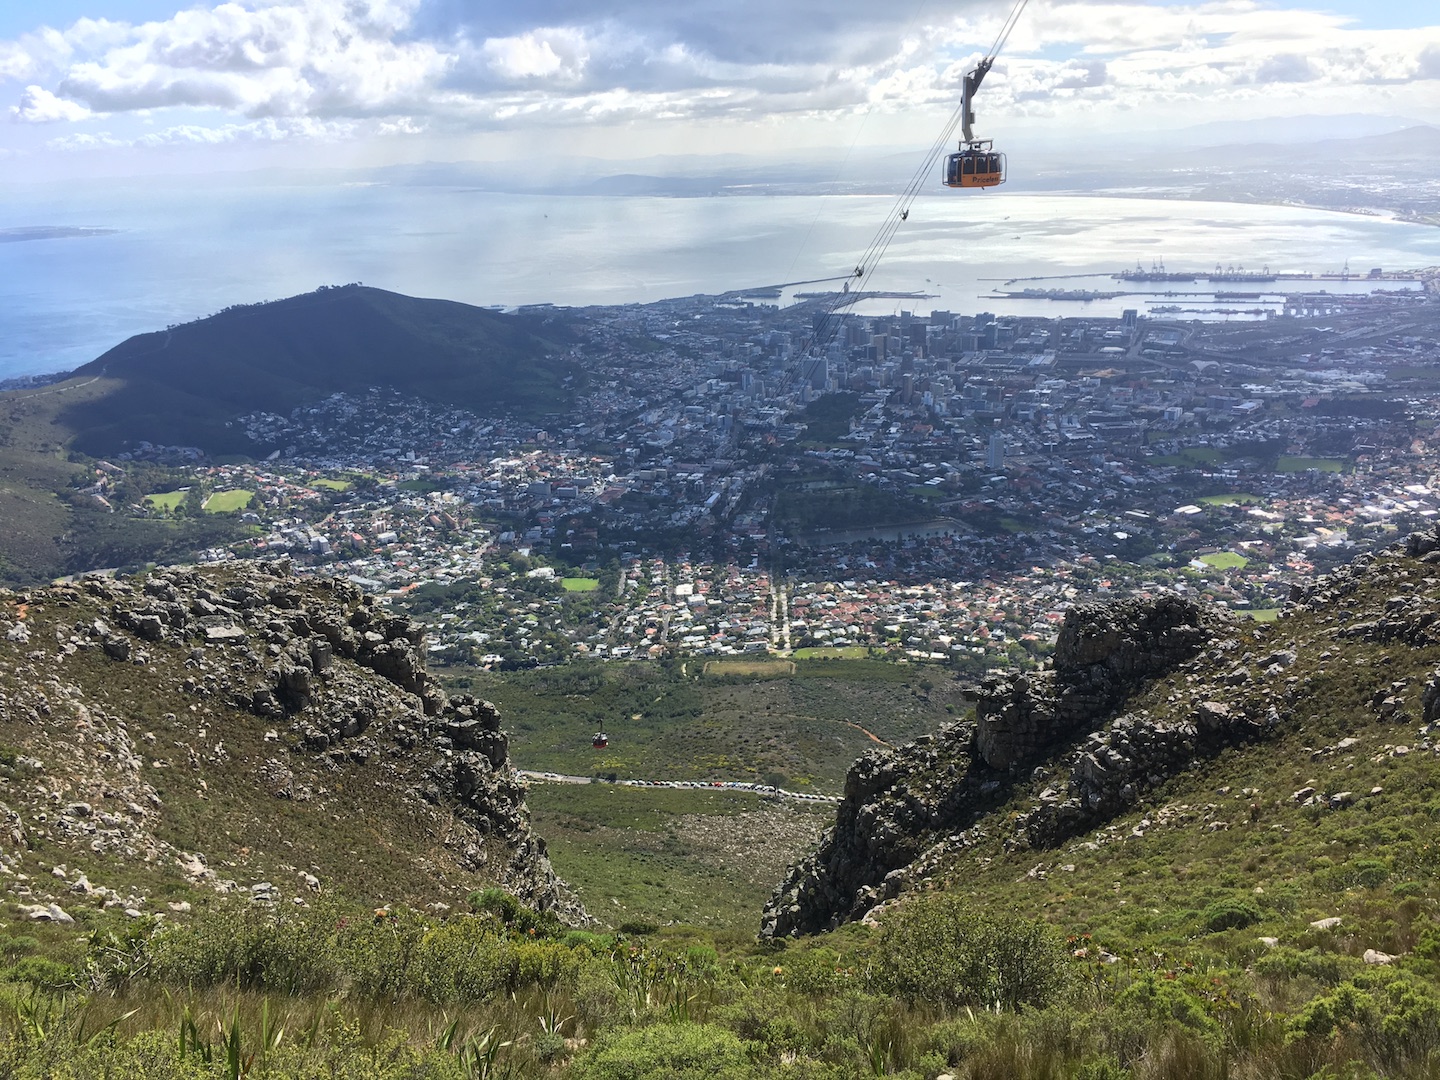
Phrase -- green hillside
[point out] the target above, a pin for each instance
(180, 386)
(1264, 907)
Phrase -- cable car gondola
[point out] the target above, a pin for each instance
(976, 165)
(600, 740)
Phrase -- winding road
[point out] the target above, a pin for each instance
(698, 785)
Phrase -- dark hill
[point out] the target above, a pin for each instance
(181, 386)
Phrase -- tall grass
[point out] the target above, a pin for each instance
(255, 992)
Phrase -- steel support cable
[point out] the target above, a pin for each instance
(829, 322)
(1007, 29)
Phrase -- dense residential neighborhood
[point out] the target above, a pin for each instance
(934, 487)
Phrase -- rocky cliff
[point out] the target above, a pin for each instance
(1120, 727)
(1062, 729)
(236, 728)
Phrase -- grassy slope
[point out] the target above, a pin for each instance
(1231, 830)
(363, 831)
(706, 858)
(48, 527)
(34, 468)
(1180, 999)
(668, 726)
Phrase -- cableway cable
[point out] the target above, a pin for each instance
(829, 322)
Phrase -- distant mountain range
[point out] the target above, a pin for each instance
(183, 385)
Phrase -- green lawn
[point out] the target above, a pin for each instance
(750, 669)
(579, 584)
(1238, 499)
(1225, 560)
(1305, 464)
(832, 652)
(333, 485)
(227, 502)
(166, 500)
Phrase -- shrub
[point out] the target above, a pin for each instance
(1165, 1002)
(812, 972)
(251, 948)
(1103, 1069)
(543, 964)
(1357, 873)
(19, 945)
(670, 1052)
(1323, 967)
(41, 973)
(938, 949)
(495, 902)
(1230, 914)
(462, 960)
(595, 944)
(1397, 1019)
(760, 1015)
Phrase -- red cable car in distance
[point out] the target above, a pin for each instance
(600, 740)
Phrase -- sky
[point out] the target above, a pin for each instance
(110, 87)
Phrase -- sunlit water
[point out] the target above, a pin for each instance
(181, 254)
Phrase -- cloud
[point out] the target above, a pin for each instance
(268, 130)
(1429, 63)
(538, 54)
(85, 140)
(405, 66)
(40, 106)
(1287, 68)
(275, 58)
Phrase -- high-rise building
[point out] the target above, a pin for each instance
(995, 453)
(815, 372)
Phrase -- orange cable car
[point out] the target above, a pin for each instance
(976, 164)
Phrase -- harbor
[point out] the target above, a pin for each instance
(1221, 292)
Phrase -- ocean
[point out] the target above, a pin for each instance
(139, 258)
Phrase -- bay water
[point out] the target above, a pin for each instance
(164, 253)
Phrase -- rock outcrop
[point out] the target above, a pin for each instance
(1139, 693)
(1103, 652)
(255, 685)
(903, 810)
